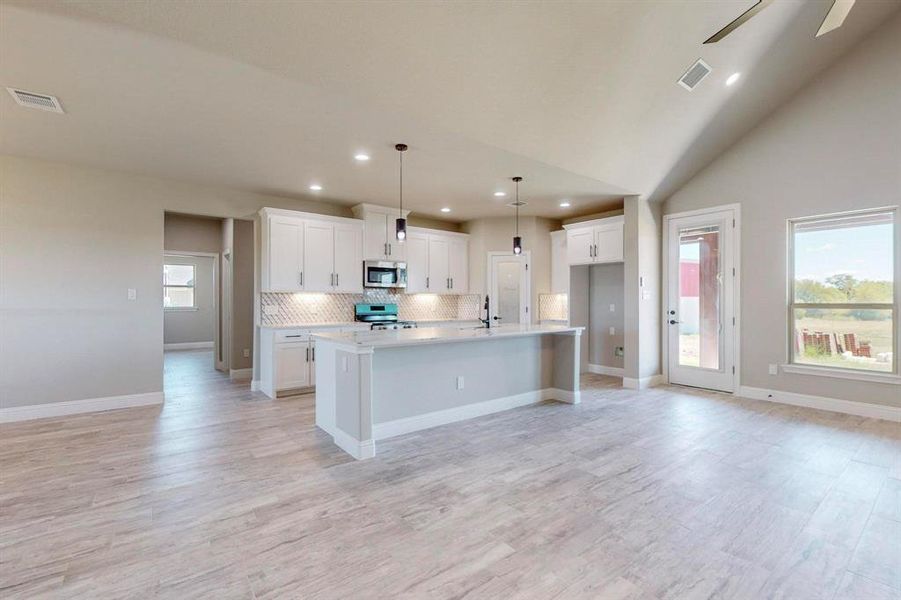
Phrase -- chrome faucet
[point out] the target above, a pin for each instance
(487, 320)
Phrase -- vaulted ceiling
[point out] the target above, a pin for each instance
(580, 98)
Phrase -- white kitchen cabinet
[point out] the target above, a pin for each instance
(559, 263)
(305, 252)
(379, 232)
(598, 241)
(319, 256)
(439, 263)
(417, 262)
(284, 248)
(293, 364)
(458, 265)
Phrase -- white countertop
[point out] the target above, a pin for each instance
(357, 324)
(438, 335)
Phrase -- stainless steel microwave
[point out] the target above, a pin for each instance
(384, 274)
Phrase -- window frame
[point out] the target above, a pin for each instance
(193, 288)
(790, 366)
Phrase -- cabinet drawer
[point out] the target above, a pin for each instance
(292, 335)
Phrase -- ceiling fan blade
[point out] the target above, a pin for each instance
(836, 16)
(742, 18)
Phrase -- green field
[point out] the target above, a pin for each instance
(878, 333)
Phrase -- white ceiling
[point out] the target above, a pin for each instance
(577, 97)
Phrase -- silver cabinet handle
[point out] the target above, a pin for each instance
(308, 354)
(336, 285)
(390, 249)
(313, 352)
(452, 283)
(301, 278)
(426, 282)
(294, 336)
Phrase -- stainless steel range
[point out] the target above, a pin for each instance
(380, 316)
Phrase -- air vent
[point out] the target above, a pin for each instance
(694, 75)
(33, 100)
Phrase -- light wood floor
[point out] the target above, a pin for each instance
(666, 493)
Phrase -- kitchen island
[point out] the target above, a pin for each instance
(375, 385)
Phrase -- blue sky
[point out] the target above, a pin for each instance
(864, 252)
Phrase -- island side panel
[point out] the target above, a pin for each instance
(415, 381)
(567, 362)
(325, 386)
(353, 403)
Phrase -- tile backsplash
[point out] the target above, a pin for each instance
(303, 308)
(553, 307)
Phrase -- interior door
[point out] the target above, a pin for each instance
(509, 289)
(348, 259)
(417, 262)
(700, 315)
(285, 254)
(458, 260)
(580, 246)
(319, 256)
(438, 265)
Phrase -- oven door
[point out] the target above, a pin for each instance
(384, 274)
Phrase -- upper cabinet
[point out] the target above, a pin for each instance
(379, 237)
(437, 261)
(598, 241)
(303, 252)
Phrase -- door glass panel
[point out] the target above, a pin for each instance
(700, 287)
(508, 290)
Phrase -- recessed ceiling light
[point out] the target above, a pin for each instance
(565, 204)
(361, 157)
(733, 78)
(316, 187)
(445, 209)
(500, 194)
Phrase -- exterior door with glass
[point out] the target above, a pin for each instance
(700, 314)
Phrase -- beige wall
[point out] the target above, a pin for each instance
(73, 240)
(496, 235)
(605, 289)
(835, 146)
(189, 233)
(242, 294)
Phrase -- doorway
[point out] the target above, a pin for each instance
(509, 287)
(701, 280)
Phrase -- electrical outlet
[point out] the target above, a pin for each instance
(459, 382)
(132, 294)
(774, 369)
(246, 352)
(613, 331)
(613, 308)
(271, 310)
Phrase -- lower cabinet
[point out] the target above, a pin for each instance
(294, 365)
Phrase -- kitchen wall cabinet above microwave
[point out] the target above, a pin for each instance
(598, 241)
(437, 261)
(379, 233)
(305, 252)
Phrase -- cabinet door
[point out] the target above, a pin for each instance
(458, 265)
(348, 259)
(313, 361)
(319, 256)
(292, 365)
(579, 246)
(438, 265)
(417, 262)
(609, 243)
(285, 254)
(559, 264)
(397, 251)
(375, 236)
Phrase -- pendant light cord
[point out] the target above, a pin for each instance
(401, 214)
(517, 208)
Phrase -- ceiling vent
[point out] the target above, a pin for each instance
(39, 101)
(694, 75)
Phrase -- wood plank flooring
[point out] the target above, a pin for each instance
(664, 493)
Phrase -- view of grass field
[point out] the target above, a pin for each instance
(878, 333)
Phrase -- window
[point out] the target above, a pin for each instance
(842, 304)
(178, 286)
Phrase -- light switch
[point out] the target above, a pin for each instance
(613, 308)
(613, 331)
(774, 369)
(459, 382)
(246, 352)
(132, 294)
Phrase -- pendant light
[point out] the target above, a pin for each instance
(517, 241)
(401, 224)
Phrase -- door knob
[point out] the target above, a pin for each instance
(673, 321)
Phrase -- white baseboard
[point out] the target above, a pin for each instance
(255, 385)
(604, 370)
(357, 449)
(74, 407)
(643, 382)
(381, 431)
(240, 374)
(189, 346)
(861, 409)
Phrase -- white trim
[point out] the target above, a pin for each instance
(735, 207)
(429, 231)
(74, 407)
(614, 220)
(858, 375)
(189, 346)
(381, 431)
(308, 216)
(357, 449)
(643, 383)
(862, 409)
(255, 385)
(605, 370)
(240, 374)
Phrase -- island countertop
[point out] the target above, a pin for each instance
(359, 340)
